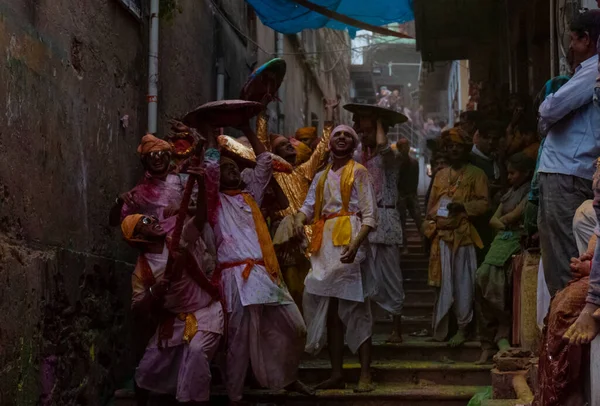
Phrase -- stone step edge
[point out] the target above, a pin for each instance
(382, 391)
(411, 342)
(399, 365)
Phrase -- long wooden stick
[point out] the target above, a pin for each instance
(349, 20)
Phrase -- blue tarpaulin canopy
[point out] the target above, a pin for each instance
(287, 17)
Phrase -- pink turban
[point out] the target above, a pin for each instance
(348, 130)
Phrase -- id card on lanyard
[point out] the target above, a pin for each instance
(443, 207)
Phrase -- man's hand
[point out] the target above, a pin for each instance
(299, 220)
(330, 105)
(349, 253)
(127, 198)
(580, 267)
(196, 170)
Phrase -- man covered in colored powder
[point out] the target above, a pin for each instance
(384, 276)
(177, 358)
(161, 188)
(265, 327)
(342, 209)
(459, 193)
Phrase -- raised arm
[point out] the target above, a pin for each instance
(257, 179)
(212, 177)
(319, 155)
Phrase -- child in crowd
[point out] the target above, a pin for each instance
(492, 288)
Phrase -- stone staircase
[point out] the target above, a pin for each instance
(417, 372)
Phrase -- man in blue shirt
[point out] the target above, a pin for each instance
(566, 167)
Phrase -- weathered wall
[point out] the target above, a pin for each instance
(72, 70)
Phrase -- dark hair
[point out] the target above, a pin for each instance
(471, 115)
(521, 162)
(589, 22)
(490, 129)
(528, 125)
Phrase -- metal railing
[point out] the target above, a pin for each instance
(415, 137)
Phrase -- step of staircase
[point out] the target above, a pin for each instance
(413, 263)
(383, 395)
(414, 348)
(416, 283)
(412, 295)
(402, 371)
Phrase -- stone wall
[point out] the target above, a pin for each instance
(73, 69)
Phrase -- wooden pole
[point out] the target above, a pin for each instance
(349, 20)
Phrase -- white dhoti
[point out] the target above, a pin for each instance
(543, 297)
(356, 317)
(584, 224)
(269, 336)
(383, 278)
(457, 288)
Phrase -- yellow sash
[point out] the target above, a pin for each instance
(264, 237)
(342, 230)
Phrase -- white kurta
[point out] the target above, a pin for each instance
(265, 327)
(237, 240)
(329, 276)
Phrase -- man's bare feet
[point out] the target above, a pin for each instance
(585, 328)
(335, 382)
(299, 387)
(394, 338)
(486, 357)
(365, 384)
(459, 339)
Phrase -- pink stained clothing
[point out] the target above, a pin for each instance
(183, 370)
(152, 195)
(265, 326)
(236, 238)
(178, 367)
(269, 337)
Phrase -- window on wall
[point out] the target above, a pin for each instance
(133, 6)
(314, 120)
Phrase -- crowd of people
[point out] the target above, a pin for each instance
(523, 178)
(263, 247)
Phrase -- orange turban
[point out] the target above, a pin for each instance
(128, 226)
(303, 151)
(150, 143)
(307, 132)
(457, 135)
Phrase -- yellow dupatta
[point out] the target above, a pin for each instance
(342, 230)
(264, 238)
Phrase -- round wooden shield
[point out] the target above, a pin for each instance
(262, 85)
(223, 113)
